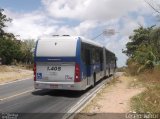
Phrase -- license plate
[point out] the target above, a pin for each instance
(54, 86)
(53, 73)
(45, 78)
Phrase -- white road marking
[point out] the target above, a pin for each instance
(87, 98)
(84, 101)
(16, 95)
(15, 81)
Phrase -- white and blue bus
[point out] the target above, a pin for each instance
(70, 63)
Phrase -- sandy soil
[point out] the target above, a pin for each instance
(113, 99)
(11, 73)
(116, 98)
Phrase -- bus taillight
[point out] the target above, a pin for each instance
(77, 73)
(34, 70)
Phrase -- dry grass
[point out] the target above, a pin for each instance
(149, 100)
(112, 99)
(11, 73)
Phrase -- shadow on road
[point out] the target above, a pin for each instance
(59, 93)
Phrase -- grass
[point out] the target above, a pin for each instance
(13, 72)
(149, 100)
(10, 68)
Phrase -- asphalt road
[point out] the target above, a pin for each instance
(43, 103)
(15, 88)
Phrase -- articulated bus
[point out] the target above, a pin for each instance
(71, 63)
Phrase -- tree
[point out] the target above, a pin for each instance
(27, 51)
(155, 36)
(144, 49)
(3, 20)
(9, 47)
(9, 50)
(12, 49)
(141, 36)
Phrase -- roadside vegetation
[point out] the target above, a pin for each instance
(143, 65)
(149, 100)
(16, 55)
(12, 50)
(12, 73)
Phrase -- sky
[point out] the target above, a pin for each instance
(89, 18)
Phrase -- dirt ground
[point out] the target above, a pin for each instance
(12, 73)
(113, 99)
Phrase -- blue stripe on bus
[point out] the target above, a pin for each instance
(55, 59)
(78, 51)
(78, 55)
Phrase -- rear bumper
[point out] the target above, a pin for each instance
(59, 85)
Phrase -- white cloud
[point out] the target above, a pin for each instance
(94, 9)
(129, 24)
(30, 25)
(33, 25)
(91, 14)
(85, 26)
(116, 45)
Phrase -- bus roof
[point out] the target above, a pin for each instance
(62, 46)
(73, 39)
(67, 37)
(90, 41)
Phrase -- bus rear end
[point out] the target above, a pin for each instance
(57, 65)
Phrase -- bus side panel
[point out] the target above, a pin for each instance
(84, 73)
(104, 61)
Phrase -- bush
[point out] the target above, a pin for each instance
(149, 100)
(9, 50)
(132, 67)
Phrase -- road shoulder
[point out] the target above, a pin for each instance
(114, 98)
(13, 73)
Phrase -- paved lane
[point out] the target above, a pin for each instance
(15, 88)
(55, 102)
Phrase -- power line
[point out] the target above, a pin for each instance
(152, 7)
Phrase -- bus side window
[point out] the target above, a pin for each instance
(87, 56)
(83, 53)
(101, 60)
(93, 55)
(97, 55)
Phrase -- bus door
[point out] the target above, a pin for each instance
(88, 63)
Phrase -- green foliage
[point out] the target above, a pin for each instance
(27, 51)
(144, 48)
(140, 36)
(11, 49)
(3, 20)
